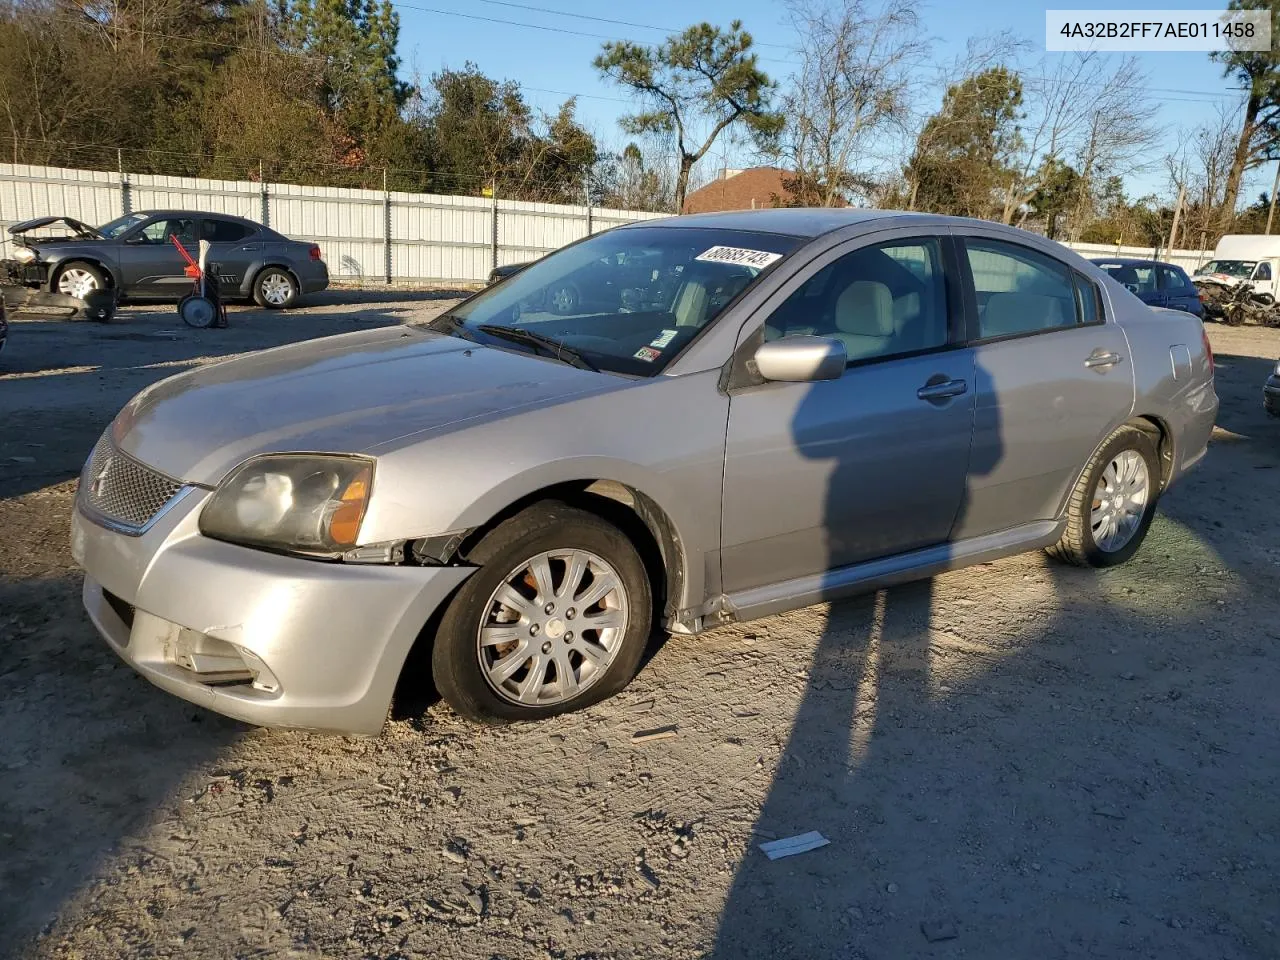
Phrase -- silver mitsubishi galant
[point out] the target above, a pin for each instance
(668, 426)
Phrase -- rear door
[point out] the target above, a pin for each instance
(234, 246)
(149, 262)
(1178, 290)
(1054, 377)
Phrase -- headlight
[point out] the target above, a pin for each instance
(298, 502)
(24, 254)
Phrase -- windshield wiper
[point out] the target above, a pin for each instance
(557, 349)
(452, 325)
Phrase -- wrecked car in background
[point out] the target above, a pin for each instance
(136, 257)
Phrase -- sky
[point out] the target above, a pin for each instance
(503, 37)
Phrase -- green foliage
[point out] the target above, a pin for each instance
(962, 156)
(1058, 190)
(693, 87)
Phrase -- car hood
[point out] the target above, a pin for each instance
(366, 392)
(80, 230)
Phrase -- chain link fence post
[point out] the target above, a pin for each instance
(386, 226)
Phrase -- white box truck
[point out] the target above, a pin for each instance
(1251, 257)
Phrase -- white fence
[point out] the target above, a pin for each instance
(366, 235)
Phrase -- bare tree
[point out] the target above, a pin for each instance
(1116, 138)
(858, 65)
(1202, 164)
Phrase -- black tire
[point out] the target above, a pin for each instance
(273, 276)
(1077, 544)
(99, 278)
(545, 526)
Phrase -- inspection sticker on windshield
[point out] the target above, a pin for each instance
(749, 258)
(664, 338)
(647, 354)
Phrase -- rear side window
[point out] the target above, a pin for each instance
(1088, 300)
(1171, 278)
(225, 231)
(1019, 290)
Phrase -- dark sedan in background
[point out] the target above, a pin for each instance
(1155, 283)
(135, 255)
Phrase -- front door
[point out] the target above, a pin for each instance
(149, 262)
(1054, 378)
(823, 475)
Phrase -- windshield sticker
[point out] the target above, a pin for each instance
(748, 258)
(647, 354)
(664, 338)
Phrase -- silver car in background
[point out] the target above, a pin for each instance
(748, 412)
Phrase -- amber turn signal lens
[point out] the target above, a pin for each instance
(344, 525)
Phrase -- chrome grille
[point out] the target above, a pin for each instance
(122, 490)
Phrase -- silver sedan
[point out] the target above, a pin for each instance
(744, 413)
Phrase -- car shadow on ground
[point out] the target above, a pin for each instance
(909, 753)
(74, 719)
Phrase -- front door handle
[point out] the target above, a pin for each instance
(942, 390)
(1102, 359)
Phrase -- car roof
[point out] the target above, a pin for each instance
(201, 213)
(1132, 262)
(808, 222)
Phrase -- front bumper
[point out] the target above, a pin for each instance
(1271, 395)
(324, 642)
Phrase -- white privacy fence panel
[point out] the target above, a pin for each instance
(364, 234)
(1188, 260)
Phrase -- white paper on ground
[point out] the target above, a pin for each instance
(790, 846)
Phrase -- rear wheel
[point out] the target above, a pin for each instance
(78, 279)
(1113, 502)
(556, 618)
(275, 289)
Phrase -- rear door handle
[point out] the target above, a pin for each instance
(1102, 359)
(943, 390)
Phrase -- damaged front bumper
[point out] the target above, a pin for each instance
(264, 638)
(25, 287)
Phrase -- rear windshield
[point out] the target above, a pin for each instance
(626, 301)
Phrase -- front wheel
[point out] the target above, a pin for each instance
(1113, 503)
(78, 279)
(556, 618)
(275, 289)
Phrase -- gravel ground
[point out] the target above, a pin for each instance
(1014, 760)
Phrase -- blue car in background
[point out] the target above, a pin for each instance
(1155, 283)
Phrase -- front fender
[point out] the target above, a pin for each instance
(662, 438)
(95, 257)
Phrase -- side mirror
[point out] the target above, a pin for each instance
(801, 359)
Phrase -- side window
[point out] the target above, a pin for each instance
(159, 231)
(1174, 280)
(224, 231)
(1088, 300)
(1019, 290)
(878, 301)
(1263, 272)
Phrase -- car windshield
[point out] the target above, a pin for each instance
(1241, 269)
(626, 301)
(121, 225)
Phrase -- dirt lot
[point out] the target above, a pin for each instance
(1017, 760)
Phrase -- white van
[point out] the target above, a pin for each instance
(1251, 257)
